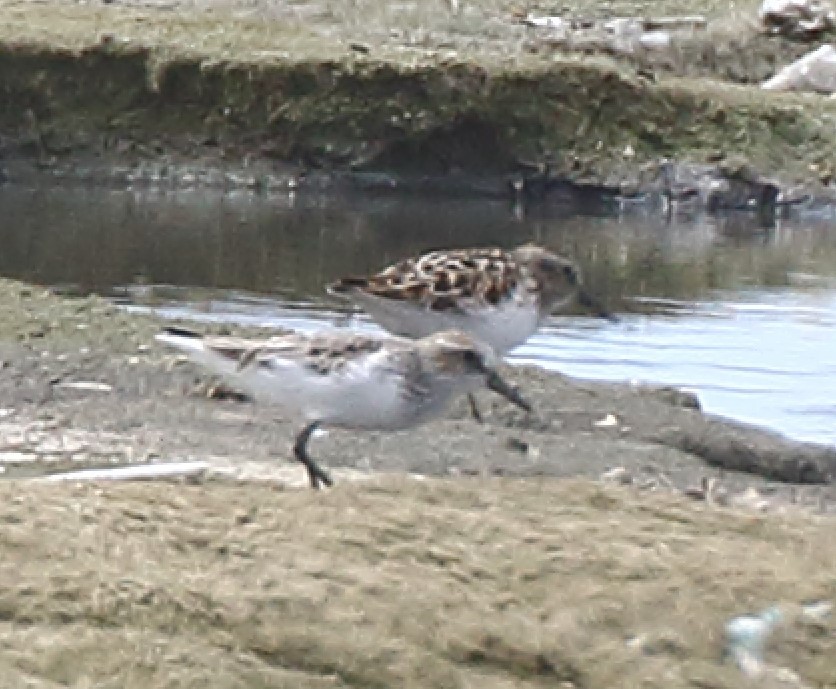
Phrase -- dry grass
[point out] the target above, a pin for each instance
(396, 584)
(266, 30)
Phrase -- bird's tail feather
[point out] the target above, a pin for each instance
(182, 339)
(195, 347)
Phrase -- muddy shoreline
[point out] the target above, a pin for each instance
(83, 368)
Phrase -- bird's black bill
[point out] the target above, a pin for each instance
(495, 383)
(586, 300)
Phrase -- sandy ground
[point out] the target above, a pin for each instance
(399, 583)
(507, 572)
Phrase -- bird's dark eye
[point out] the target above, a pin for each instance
(473, 359)
(569, 273)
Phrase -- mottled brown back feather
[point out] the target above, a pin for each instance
(440, 280)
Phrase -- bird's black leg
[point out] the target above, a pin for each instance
(474, 409)
(300, 451)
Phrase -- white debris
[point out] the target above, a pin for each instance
(750, 499)
(607, 422)
(815, 71)
(85, 386)
(628, 35)
(655, 40)
(624, 26)
(692, 21)
(618, 475)
(817, 611)
(746, 637)
(135, 472)
(15, 457)
(797, 17)
(547, 22)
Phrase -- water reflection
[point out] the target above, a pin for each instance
(95, 239)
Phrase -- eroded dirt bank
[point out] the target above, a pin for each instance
(257, 94)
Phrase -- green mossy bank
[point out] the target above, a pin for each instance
(124, 88)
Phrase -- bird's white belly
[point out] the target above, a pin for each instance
(502, 327)
(361, 396)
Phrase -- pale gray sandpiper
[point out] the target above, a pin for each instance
(347, 380)
(499, 297)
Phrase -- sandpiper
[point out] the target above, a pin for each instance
(499, 297)
(346, 380)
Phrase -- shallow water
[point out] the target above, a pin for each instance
(742, 315)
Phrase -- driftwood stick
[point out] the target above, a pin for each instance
(137, 472)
